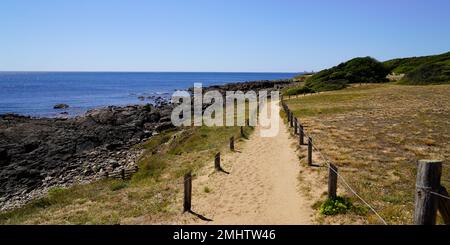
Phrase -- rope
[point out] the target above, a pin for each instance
(428, 189)
(328, 162)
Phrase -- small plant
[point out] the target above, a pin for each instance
(339, 205)
(206, 189)
(118, 186)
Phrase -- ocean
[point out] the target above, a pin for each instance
(35, 93)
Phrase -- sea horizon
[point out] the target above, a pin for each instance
(35, 93)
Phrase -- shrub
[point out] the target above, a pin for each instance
(429, 73)
(358, 70)
(339, 205)
(299, 90)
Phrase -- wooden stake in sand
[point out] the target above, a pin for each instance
(187, 192)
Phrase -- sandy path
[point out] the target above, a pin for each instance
(262, 187)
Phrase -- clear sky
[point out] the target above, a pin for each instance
(214, 35)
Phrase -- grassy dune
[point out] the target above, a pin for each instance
(375, 134)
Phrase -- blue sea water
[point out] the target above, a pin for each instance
(35, 93)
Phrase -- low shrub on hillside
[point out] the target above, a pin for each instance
(358, 70)
(299, 90)
(429, 73)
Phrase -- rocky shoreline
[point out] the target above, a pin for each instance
(40, 153)
(37, 154)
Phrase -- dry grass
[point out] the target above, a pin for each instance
(151, 196)
(375, 134)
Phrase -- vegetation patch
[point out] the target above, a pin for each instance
(433, 69)
(339, 205)
(358, 70)
(118, 185)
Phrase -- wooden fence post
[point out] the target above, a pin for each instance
(217, 162)
(428, 179)
(295, 125)
(292, 119)
(302, 135)
(232, 143)
(310, 151)
(122, 173)
(187, 192)
(444, 206)
(332, 181)
(242, 132)
(288, 114)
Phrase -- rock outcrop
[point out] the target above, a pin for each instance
(38, 153)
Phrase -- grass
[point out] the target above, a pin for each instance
(150, 195)
(375, 134)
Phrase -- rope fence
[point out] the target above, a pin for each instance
(425, 208)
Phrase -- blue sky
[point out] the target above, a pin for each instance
(229, 35)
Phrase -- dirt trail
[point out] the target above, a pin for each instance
(261, 187)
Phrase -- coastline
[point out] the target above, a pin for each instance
(38, 153)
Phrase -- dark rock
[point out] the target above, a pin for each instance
(60, 106)
(33, 149)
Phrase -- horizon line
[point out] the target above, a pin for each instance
(124, 71)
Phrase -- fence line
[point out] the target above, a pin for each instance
(425, 208)
(328, 165)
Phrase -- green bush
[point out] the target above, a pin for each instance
(358, 70)
(433, 69)
(339, 205)
(406, 65)
(429, 73)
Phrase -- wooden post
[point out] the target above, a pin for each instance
(302, 135)
(217, 162)
(122, 173)
(310, 151)
(288, 114)
(187, 192)
(242, 132)
(428, 179)
(295, 125)
(332, 181)
(292, 119)
(232, 143)
(444, 206)
(247, 122)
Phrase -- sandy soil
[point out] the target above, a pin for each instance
(262, 186)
